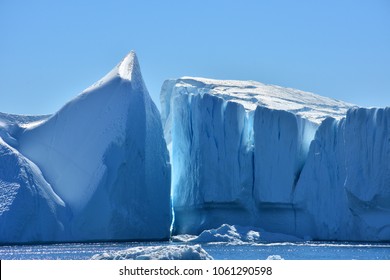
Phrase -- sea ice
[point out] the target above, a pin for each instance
(170, 252)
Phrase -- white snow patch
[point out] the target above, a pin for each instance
(33, 124)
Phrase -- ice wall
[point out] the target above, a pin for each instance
(284, 160)
(347, 178)
(213, 173)
(281, 144)
(237, 150)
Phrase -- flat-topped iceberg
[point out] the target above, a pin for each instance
(237, 150)
(284, 160)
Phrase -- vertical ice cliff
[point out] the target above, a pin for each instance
(344, 190)
(281, 144)
(213, 162)
(288, 161)
(237, 150)
(105, 157)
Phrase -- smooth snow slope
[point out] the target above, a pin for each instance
(237, 150)
(105, 157)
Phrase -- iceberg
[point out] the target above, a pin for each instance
(102, 156)
(237, 150)
(292, 164)
(235, 235)
(279, 159)
(230, 234)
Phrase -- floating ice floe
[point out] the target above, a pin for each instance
(170, 252)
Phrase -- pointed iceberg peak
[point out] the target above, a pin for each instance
(128, 65)
(129, 69)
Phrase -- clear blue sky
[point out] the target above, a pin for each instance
(51, 50)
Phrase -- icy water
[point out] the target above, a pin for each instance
(288, 251)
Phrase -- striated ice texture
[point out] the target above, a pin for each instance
(246, 153)
(281, 144)
(344, 189)
(102, 156)
(212, 158)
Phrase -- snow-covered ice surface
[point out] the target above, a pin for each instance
(29, 208)
(251, 94)
(225, 233)
(170, 252)
(11, 125)
(12, 121)
(102, 157)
